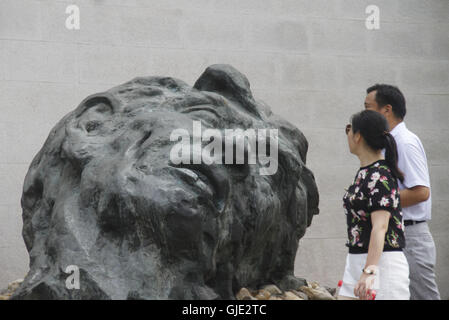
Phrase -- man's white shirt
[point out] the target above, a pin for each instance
(412, 161)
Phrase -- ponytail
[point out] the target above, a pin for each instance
(391, 156)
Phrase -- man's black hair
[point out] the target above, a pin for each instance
(388, 94)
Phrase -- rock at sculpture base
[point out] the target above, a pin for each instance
(9, 291)
(312, 291)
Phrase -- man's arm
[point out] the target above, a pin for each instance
(416, 179)
(414, 195)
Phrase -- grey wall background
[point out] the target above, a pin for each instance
(309, 60)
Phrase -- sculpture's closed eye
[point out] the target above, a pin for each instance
(204, 113)
(92, 125)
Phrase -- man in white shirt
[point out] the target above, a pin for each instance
(414, 191)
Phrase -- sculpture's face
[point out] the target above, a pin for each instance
(123, 150)
(123, 194)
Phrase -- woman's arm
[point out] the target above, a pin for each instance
(379, 220)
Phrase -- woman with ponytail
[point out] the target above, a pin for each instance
(373, 213)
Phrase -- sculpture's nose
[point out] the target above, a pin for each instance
(217, 176)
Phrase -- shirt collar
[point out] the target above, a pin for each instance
(399, 128)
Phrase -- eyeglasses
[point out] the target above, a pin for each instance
(348, 128)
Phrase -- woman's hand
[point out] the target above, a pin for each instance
(364, 286)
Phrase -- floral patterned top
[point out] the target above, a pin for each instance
(374, 188)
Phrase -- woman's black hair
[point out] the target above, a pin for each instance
(374, 128)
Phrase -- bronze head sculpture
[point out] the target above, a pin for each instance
(103, 195)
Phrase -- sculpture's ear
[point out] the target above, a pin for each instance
(227, 81)
(104, 98)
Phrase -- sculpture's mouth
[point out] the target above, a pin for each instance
(212, 180)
